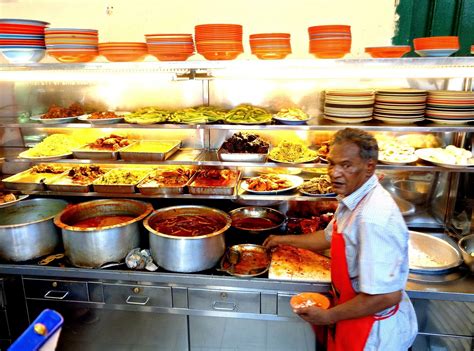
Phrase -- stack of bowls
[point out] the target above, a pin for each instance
(170, 47)
(450, 107)
(270, 46)
(400, 106)
(71, 45)
(436, 46)
(123, 51)
(349, 105)
(219, 41)
(332, 41)
(22, 41)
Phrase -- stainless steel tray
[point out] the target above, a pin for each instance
(128, 154)
(85, 152)
(241, 248)
(214, 190)
(240, 157)
(116, 188)
(29, 182)
(64, 183)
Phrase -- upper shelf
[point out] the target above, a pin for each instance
(421, 67)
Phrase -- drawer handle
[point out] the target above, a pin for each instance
(137, 300)
(56, 295)
(224, 306)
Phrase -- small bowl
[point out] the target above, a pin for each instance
(23, 55)
(252, 214)
(416, 192)
(466, 246)
(307, 299)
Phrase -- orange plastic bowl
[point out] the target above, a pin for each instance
(171, 56)
(307, 299)
(330, 54)
(388, 51)
(271, 55)
(329, 28)
(220, 55)
(73, 56)
(124, 56)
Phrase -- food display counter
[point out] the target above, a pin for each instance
(176, 311)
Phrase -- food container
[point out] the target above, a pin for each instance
(27, 230)
(240, 156)
(133, 153)
(64, 184)
(117, 188)
(214, 190)
(248, 227)
(424, 246)
(416, 192)
(95, 246)
(27, 181)
(466, 246)
(146, 189)
(245, 251)
(187, 254)
(86, 152)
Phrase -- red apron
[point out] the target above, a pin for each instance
(350, 334)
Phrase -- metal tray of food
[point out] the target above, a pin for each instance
(86, 152)
(240, 255)
(65, 183)
(133, 153)
(29, 182)
(119, 188)
(240, 156)
(213, 190)
(157, 188)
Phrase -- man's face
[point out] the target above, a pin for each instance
(347, 170)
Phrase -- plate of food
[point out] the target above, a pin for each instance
(317, 186)
(53, 147)
(291, 116)
(57, 114)
(9, 199)
(244, 147)
(246, 260)
(106, 117)
(450, 157)
(269, 184)
(292, 153)
(27, 155)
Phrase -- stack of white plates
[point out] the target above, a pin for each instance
(400, 105)
(349, 105)
(450, 107)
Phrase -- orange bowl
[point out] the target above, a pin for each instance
(171, 56)
(220, 55)
(270, 36)
(271, 55)
(329, 54)
(388, 51)
(124, 57)
(73, 56)
(329, 28)
(307, 299)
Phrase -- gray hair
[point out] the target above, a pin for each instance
(369, 150)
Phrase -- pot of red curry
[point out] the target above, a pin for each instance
(101, 231)
(187, 238)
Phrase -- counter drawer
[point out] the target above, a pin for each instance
(57, 290)
(137, 295)
(283, 306)
(224, 301)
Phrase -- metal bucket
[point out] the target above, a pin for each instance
(96, 246)
(27, 230)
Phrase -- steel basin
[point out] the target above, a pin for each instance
(466, 246)
(187, 254)
(94, 247)
(27, 230)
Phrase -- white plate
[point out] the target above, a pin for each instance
(348, 120)
(314, 159)
(18, 199)
(399, 120)
(290, 121)
(36, 117)
(86, 118)
(449, 121)
(24, 155)
(294, 180)
(57, 120)
(425, 154)
(317, 195)
(411, 159)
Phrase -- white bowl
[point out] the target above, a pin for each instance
(23, 55)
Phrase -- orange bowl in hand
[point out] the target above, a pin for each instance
(308, 299)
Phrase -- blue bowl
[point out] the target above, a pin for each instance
(23, 55)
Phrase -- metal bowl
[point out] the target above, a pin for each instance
(417, 192)
(466, 246)
(241, 249)
(437, 249)
(187, 254)
(258, 212)
(96, 246)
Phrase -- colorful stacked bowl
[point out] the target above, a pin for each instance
(450, 107)
(71, 45)
(349, 105)
(400, 106)
(170, 47)
(219, 41)
(270, 46)
(331, 41)
(21, 40)
(123, 51)
(394, 51)
(436, 46)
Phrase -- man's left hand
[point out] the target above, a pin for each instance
(314, 315)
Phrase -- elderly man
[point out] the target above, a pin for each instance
(369, 249)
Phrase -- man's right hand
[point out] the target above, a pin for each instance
(274, 240)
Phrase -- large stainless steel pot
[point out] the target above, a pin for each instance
(186, 254)
(93, 247)
(27, 230)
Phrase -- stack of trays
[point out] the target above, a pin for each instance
(219, 41)
(450, 107)
(400, 105)
(170, 47)
(333, 41)
(349, 105)
(22, 41)
(270, 46)
(70, 45)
